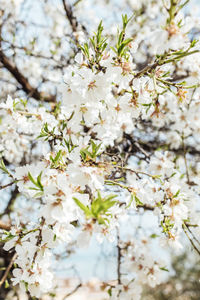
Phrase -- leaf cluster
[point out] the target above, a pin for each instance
(98, 44)
(91, 152)
(121, 47)
(98, 209)
(57, 161)
(37, 183)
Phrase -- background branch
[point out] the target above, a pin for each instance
(26, 86)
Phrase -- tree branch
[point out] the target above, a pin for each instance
(190, 239)
(8, 269)
(6, 185)
(4, 226)
(72, 20)
(69, 13)
(23, 81)
(118, 258)
(73, 291)
(11, 202)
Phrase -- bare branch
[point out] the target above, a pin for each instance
(190, 239)
(118, 258)
(26, 86)
(73, 291)
(72, 20)
(11, 202)
(69, 13)
(76, 2)
(7, 185)
(3, 279)
(4, 226)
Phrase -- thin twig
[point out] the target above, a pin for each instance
(23, 81)
(118, 260)
(185, 160)
(72, 20)
(73, 291)
(192, 234)
(189, 238)
(141, 149)
(11, 202)
(6, 185)
(8, 269)
(76, 2)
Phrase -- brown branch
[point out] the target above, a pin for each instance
(6, 185)
(138, 146)
(189, 238)
(150, 146)
(28, 53)
(165, 59)
(146, 207)
(119, 255)
(69, 13)
(73, 291)
(76, 2)
(192, 234)
(147, 69)
(185, 160)
(39, 240)
(23, 81)
(72, 20)
(11, 202)
(4, 226)
(8, 269)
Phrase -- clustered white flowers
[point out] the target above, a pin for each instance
(72, 172)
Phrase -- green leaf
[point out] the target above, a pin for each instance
(177, 193)
(83, 154)
(37, 183)
(193, 43)
(3, 168)
(31, 178)
(7, 284)
(125, 21)
(83, 207)
(69, 145)
(74, 223)
(122, 46)
(164, 269)
(108, 204)
(154, 235)
(44, 131)
(24, 102)
(100, 205)
(130, 202)
(90, 155)
(110, 292)
(98, 43)
(56, 160)
(138, 202)
(38, 195)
